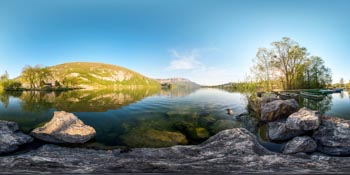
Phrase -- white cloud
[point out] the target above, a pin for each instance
(184, 61)
(193, 65)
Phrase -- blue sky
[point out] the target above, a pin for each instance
(209, 42)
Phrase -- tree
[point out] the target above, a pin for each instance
(29, 75)
(14, 85)
(4, 80)
(341, 82)
(36, 76)
(290, 64)
(263, 67)
(288, 59)
(319, 75)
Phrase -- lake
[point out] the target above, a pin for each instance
(147, 117)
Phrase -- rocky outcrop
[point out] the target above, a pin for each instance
(230, 151)
(333, 136)
(277, 131)
(278, 109)
(64, 128)
(11, 137)
(304, 144)
(304, 119)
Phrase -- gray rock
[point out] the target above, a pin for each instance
(256, 104)
(277, 131)
(304, 119)
(268, 97)
(64, 128)
(249, 122)
(230, 151)
(304, 144)
(333, 136)
(10, 137)
(278, 109)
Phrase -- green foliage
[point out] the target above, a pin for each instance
(289, 65)
(14, 85)
(8, 84)
(35, 76)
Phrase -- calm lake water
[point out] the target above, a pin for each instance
(146, 118)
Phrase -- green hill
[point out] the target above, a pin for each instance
(98, 75)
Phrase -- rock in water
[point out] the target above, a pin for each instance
(64, 127)
(333, 136)
(304, 144)
(277, 131)
(278, 109)
(256, 104)
(304, 119)
(10, 137)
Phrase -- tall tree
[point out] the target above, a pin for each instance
(288, 58)
(341, 82)
(35, 75)
(290, 64)
(263, 67)
(4, 79)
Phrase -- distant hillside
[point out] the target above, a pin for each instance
(179, 82)
(98, 75)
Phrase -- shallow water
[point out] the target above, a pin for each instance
(146, 117)
(129, 118)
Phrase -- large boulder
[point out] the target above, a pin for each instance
(11, 137)
(277, 131)
(304, 144)
(64, 127)
(278, 109)
(333, 136)
(304, 119)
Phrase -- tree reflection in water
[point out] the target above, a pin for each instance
(322, 106)
(81, 100)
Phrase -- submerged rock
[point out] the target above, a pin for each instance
(278, 109)
(304, 119)
(11, 137)
(277, 131)
(333, 136)
(230, 151)
(304, 144)
(151, 138)
(64, 127)
(221, 125)
(201, 133)
(248, 121)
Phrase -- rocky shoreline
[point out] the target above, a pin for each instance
(230, 151)
(312, 143)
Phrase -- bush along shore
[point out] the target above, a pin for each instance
(312, 144)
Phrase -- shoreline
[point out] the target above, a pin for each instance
(230, 151)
